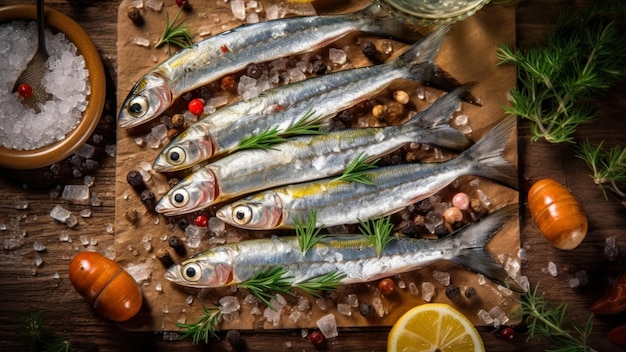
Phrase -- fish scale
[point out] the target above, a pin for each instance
(394, 187)
(350, 255)
(231, 51)
(321, 97)
(305, 158)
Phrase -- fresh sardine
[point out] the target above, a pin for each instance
(319, 98)
(231, 51)
(309, 157)
(351, 255)
(394, 187)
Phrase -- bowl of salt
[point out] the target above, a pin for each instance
(32, 138)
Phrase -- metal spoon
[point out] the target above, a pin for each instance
(35, 69)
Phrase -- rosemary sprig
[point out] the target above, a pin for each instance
(608, 168)
(203, 328)
(357, 170)
(39, 339)
(552, 323)
(175, 34)
(307, 125)
(580, 60)
(307, 234)
(326, 282)
(267, 281)
(378, 233)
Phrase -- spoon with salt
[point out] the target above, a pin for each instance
(33, 74)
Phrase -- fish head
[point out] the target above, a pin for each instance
(261, 211)
(212, 268)
(185, 150)
(194, 192)
(147, 100)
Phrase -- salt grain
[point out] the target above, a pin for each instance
(22, 128)
(328, 326)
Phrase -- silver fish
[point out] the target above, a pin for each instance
(309, 157)
(352, 255)
(286, 106)
(339, 202)
(231, 51)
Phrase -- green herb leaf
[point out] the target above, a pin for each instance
(357, 170)
(378, 232)
(608, 168)
(552, 323)
(316, 285)
(203, 328)
(175, 34)
(580, 60)
(267, 281)
(307, 125)
(307, 234)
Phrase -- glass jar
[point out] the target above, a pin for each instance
(432, 12)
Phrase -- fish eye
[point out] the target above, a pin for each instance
(192, 272)
(180, 198)
(138, 106)
(176, 155)
(242, 214)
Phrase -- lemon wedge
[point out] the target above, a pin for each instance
(434, 327)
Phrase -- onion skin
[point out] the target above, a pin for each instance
(615, 301)
(557, 213)
(108, 288)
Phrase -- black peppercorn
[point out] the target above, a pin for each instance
(177, 245)
(453, 292)
(135, 180)
(319, 67)
(255, 70)
(235, 340)
(148, 199)
(164, 257)
(408, 228)
(183, 223)
(470, 292)
(366, 309)
(368, 49)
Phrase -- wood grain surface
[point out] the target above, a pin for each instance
(26, 199)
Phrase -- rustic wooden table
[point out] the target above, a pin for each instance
(26, 199)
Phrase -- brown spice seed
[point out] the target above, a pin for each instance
(135, 15)
(178, 120)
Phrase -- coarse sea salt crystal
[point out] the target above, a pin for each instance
(328, 326)
(21, 128)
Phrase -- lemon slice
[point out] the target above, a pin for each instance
(434, 327)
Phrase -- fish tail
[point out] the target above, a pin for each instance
(379, 21)
(435, 118)
(418, 60)
(472, 240)
(487, 155)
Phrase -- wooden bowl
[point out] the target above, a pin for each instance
(57, 151)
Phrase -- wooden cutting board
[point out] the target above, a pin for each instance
(468, 53)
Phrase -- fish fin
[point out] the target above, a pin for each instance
(487, 154)
(436, 116)
(383, 23)
(419, 61)
(472, 240)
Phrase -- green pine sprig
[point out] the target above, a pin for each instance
(175, 34)
(552, 323)
(378, 232)
(307, 125)
(318, 284)
(38, 338)
(581, 59)
(307, 233)
(267, 281)
(357, 170)
(203, 328)
(608, 167)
